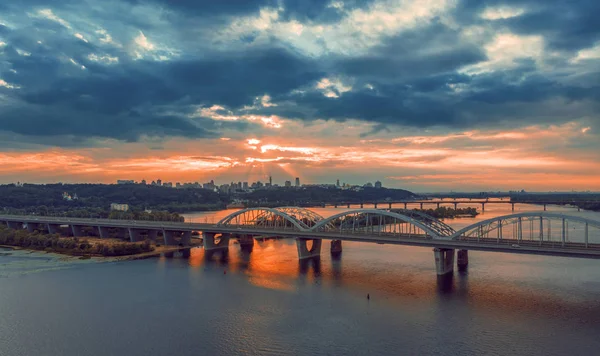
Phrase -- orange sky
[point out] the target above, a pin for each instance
(534, 158)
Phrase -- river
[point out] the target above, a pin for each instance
(266, 302)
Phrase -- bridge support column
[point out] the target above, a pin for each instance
(336, 247)
(246, 240)
(53, 229)
(375, 205)
(544, 207)
(348, 206)
(152, 235)
(438, 205)
(390, 206)
(405, 206)
(335, 206)
(15, 225)
(186, 238)
(444, 260)
(31, 227)
(210, 241)
(361, 205)
(455, 206)
(482, 206)
(135, 235)
(421, 206)
(513, 206)
(76, 230)
(103, 232)
(303, 250)
(462, 259)
(169, 237)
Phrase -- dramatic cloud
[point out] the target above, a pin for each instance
(302, 79)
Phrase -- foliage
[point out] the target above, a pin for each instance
(72, 246)
(93, 200)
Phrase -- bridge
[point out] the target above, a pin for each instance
(455, 202)
(539, 233)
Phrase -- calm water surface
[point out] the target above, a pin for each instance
(266, 302)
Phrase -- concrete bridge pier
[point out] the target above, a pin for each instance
(462, 259)
(544, 207)
(53, 229)
(421, 206)
(31, 227)
(15, 225)
(389, 205)
(482, 206)
(210, 241)
(438, 205)
(186, 238)
(361, 205)
(304, 252)
(455, 206)
(375, 205)
(405, 206)
(135, 235)
(103, 232)
(513, 206)
(335, 206)
(246, 240)
(169, 237)
(348, 206)
(336, 247)
(444, 261)
(76, 230)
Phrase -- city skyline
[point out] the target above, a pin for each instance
(426, 96)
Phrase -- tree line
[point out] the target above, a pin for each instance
(72, 246)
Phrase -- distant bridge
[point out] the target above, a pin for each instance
(454, 202)
(541, 233)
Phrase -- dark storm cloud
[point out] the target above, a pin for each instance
(412, 78)
(569, 25)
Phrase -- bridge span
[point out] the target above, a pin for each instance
(539, 233)
(454, 202)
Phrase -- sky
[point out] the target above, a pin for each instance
(425, 95)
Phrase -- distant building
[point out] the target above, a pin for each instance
(125, 181)
(119, 207)
(378, 184)
(177, 185)
(369, 185)
(297, 182)
(245, 185)
(159, 182)
(143, 182)
(288, 184)
(337, 183)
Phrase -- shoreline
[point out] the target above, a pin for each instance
(158, 251)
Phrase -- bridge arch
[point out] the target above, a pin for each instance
(263, 217)
(380, 222)
(540, 227)
(308, 217)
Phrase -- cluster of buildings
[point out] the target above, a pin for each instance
(248, 187)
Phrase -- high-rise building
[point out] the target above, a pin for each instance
(288, 184)
(245, 185)
(158, 182)
(337, 183)
(270, 181)
(297, 182)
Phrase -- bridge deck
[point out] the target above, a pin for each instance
(568, 249)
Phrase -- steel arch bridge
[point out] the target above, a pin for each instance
(384, 222)
(572, 230)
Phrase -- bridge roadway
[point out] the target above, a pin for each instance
(216, 236)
